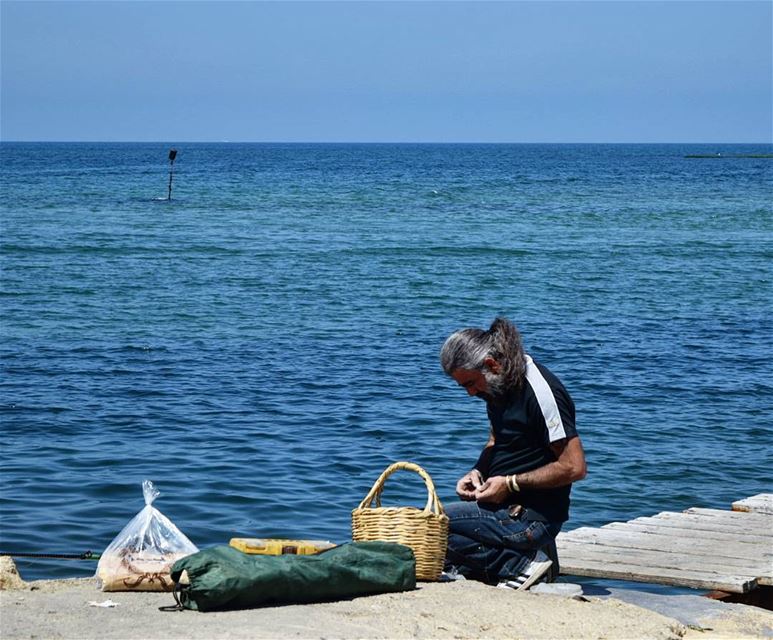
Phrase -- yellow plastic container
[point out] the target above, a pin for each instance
(278, 547)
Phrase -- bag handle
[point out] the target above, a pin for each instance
(433, 502)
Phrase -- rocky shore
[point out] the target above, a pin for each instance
(464, 609)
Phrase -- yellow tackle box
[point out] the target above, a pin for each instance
(278, 547)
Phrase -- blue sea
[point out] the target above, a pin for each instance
(265, 343)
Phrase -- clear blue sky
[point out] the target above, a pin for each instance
(614, 71)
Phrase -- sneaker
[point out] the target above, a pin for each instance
(534, 572)
(451, 574)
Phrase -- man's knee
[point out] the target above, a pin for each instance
(457, 511)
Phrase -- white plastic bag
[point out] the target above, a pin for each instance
(140, 558)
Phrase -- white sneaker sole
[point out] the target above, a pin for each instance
(522, 583)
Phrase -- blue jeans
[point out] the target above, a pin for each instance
(486, 543)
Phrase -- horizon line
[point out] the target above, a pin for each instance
(370, 142)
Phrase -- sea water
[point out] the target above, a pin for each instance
(264, 344)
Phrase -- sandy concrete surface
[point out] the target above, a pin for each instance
(462, 609)
(439, 610)
(698, 613)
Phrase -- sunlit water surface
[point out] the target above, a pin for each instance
(266, 343)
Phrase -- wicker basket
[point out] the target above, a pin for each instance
(425, 531)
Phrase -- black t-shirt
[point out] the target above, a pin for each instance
(524, 426)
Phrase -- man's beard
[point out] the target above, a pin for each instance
(496, 388)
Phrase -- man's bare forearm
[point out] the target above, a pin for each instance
(483, 460)
(550, 476)
(569, 468)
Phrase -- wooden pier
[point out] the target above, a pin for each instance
(712, 549)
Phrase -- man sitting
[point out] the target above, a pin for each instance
(516, 498)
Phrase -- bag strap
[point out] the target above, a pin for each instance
(433, 505)
(177, 593)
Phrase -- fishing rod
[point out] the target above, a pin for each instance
(86, 555)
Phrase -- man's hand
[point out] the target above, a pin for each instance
(494, 490)
(467, 486)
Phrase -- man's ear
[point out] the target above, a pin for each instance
(493, 365)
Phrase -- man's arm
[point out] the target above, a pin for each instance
(483, 459)
(472, 481)
(569, 467)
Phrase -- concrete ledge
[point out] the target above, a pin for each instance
(462, 609)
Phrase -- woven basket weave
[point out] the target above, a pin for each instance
(423, 530)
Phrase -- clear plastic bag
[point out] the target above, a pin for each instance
(141, 556)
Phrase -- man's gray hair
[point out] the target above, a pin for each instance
(469, 348)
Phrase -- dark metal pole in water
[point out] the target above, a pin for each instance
(172, 156)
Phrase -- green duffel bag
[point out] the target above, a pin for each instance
(225, 578)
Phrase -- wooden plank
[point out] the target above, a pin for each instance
(761, 503)
(653, 561)
(698, 523)
(699, 548)
(664, 527)
(748, 569)
(714, 517)
(658, 575)
(658, 541)
(573, 560)
(761, 521)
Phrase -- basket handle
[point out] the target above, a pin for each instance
(433, 502)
